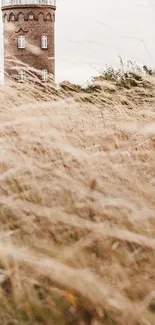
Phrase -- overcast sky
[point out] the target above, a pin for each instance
(92, 33)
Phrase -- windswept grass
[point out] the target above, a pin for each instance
(77, 202)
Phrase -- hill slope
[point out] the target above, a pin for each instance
(77, 203)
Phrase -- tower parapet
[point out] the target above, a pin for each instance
(28, 2)
(29, 41)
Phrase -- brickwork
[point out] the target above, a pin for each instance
(33, 21)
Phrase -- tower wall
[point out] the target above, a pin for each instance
(16, 22)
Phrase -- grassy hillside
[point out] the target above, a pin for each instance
(77, 202)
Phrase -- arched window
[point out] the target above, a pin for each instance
(44, 42)
(12, 17)
(5, 18)
(31, 16)
(40, 16)
(48, 17)
(20, 16)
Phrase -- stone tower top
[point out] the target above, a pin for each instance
(28, 2)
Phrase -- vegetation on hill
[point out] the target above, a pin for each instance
(77, 202)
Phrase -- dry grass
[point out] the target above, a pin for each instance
(77, 204)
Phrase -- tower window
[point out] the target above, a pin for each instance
(12, 17)
(44, 42)
(48, 17)
(44, 75)
(21, 42)
(31, 16)
(21, 75)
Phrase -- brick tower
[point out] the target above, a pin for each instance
(29, 44)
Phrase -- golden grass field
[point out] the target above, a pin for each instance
(77, 203)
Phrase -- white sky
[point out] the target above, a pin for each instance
(92, 33)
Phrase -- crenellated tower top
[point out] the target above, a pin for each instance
(6, 3)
